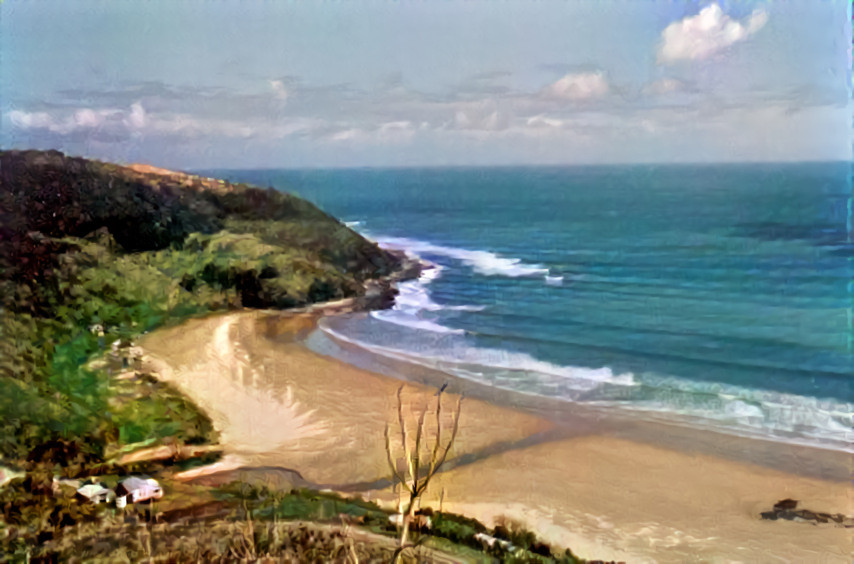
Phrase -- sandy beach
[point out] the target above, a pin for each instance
(598, 486)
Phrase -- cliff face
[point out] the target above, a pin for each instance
(92, 253)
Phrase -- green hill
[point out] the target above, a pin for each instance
(92, 252)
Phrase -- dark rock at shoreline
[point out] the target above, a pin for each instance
(786, 504)
(787, 509)
(380, 293)
(409, 268)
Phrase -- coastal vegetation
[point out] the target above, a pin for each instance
(92, 255)
(245, 522)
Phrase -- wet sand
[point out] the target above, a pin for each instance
(605, 487)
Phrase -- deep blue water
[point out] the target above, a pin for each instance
(718, 295)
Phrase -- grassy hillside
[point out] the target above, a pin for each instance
(242, 522)
(92, 253)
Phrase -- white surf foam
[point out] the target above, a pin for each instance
(482, 262)
(414, 300)
(413, 304)
(414, 296)
(753, 413)
(462, 359)
(414, 322)
(739, 411)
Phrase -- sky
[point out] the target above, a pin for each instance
(238, 84)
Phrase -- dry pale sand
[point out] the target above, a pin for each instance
(149, 169)
(277, 404)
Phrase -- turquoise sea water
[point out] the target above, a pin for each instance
(715, 296)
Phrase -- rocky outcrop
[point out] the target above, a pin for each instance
(788, 509)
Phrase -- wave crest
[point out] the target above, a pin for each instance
(486, 263)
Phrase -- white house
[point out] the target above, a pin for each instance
(136, 489)
(96, 493)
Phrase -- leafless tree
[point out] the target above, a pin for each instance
(420, 460)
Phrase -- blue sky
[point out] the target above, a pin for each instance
(200, 84)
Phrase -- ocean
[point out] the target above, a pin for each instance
(711, 296)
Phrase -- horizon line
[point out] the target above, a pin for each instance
(523, 165)
(192, 169)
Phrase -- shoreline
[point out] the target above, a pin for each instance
(796, 458)
(594, 485)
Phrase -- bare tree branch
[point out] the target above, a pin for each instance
(438, 442)
(406, 452)
(436, 465)
(416, 462)
(411, 477)
(391, 463)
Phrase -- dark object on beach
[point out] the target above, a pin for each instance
(785, 509)
(785, 504)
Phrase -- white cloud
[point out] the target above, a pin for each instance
(30, 120)
(579, 86)
(391, 132)
(82, 119)
(136, 118)
(135, 121)
(542, 120)
(576, 123)
(582, 117)
(346, 134)
(279, 90)
(478, 119)
(396, 132)
(87, 118)
(189, 126)
(186, 125)
(705, 34)
(395, 126)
